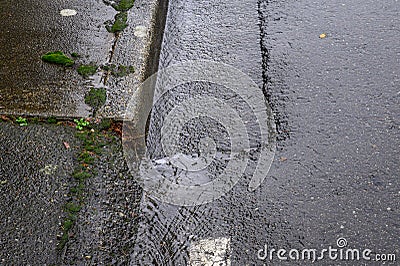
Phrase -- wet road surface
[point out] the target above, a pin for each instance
(34, 174)
(37, 163)
(336, 102)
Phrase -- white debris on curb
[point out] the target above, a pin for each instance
(140, 31)
(209, 252)
(68, 12)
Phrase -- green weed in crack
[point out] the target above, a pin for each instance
(119, 24)
(81, 123)
(93, 141)
(87, 70)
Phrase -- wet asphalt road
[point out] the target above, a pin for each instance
(35, 170)
(336, 102)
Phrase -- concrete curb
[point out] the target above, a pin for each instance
(142, 52)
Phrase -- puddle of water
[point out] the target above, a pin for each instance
(167, 233)
(320, 88)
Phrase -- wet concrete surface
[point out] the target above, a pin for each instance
(336, 102)
(33, 28)
(30, 29)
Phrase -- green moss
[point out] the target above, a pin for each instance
(87, 70)
(74, 190)
(63, 241)
(93, 148)
(106, 68)
(86, 157)
(52, 120)
(92, 143)
(81, 186)
(68, 224)
(78, 190)
(35, 120)
(119, 71)
(75, 55)
(123, 5)
(66, 227)
(85, 137)
(58, 57)
(96, 98)
(81, 175)
(105, 124)
(119, 24)
(123, 71)
(72, 208)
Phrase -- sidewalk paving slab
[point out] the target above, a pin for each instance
(32, 28)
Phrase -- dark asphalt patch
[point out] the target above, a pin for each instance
(36, 166)
(35, 170)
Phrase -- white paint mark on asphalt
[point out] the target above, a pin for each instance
(68, 12)
(140, 31)
(210, 252)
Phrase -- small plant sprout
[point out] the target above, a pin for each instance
(81, 123)
(21, 121)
